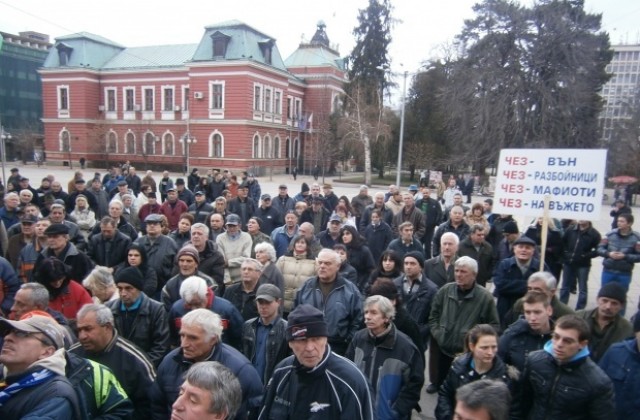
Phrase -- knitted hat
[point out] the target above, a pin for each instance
(132, 276)
(613, 291)
(305, 321)
(510, 227)
(304, 187)
(190, 251)
(417, 256)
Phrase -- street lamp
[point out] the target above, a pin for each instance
(4, 136)
(404, 97)
(187, 141)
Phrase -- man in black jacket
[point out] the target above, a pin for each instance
(109, 247)
(433, 217)
(243, 205)
(200, 209)
(580, 244)
(476, 247)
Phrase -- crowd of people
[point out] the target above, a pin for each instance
(128, 297)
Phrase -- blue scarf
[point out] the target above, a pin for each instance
(28, 381)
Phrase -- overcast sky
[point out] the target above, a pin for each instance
(423, 25)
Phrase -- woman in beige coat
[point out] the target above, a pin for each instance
(296, 266)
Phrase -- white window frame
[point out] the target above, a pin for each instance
(172, 138)
(256, 153)
(126, 143)
(211, 144)
(148, 114)
(111, 113)
(60, 142)
(267, 145)
(168, 114)
(63, 112)
(218, 112)
(144, 143)
(276, 146)
(128, 114)
(108, 141)
(186, 101)
(257, 99)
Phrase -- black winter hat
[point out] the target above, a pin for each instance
(132, 276)
(304, 187)
(306, 321)
(418, 257)
(613, 291)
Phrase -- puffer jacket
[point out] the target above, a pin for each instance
(342, 309)
(395, 369)
(418, 304)
(518, 341)
(575, 390)
(622, 364)
(277, 347)
(295, 272)
(627, 244)
(462, 373)
(452, 316)
(580, 246)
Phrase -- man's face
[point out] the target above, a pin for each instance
(452, 183)
(465, 278)
(290, 220)
(115, 211)
(463, 412)
(412, 268)
(12, 202)
(374, 319)
(523, 252)
(192, 404)
(200, 198)
(608, 308)
(249, 274)
(540, 286)
(266, 203)
(27, 228)
(375, 219)
(194, 342)
(408, 200)
(486, 207)
(232, 229)
(282, 192)
(19, 352)
(407, 233)
(172, 196)
(477, 237)
(22, 303)
(122, 189)
(57, 242)
(154, 229)
(108, 231)
(242, 192)
(456, 214)
(309, 351)
(56, 215)
(128, 293)
(180, 187)
(266, 309)
(448, 246)
(56, 187)
(379, 200)
(566, 344)
(457, 200)
(220, 206)
(327, 267)
(305, 231)
(217, 222)
(188, 265)
(198, 237)
(32, 210)
(537, 315)
(315, 190)
(41, 226)
(25, 197)
(93, 336)
(623, 224)
(334, 227)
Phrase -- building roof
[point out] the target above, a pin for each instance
(314, 55)
(86, 50)
(152, 56)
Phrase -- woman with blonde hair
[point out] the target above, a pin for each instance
(101, 285)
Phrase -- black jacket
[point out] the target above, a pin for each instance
(484, 257)
(365, 220)
(432, 211)
(361, 259)
(235, 206)
(271, 218)
(518, 341)
(461, 231)
(80, 264)
(277, 346)
(418, 303)
(117, 254)
(200, 212)
(378, 238)
(580, 246)
(462, 373)
(244, 302)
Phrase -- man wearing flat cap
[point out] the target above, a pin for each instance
(35, 385)
(315, 382)
(511, 275)
(242, 205)
(235, 245)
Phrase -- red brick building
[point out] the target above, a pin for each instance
(229, 101)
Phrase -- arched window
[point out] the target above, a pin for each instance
(267, 152)
(216, 145)
(149, 145)
(296, 148)
(287, 148)
(256, 146)
(112, 142)
(130, 143)
(276, 147)
(65, 140)
(168, 145)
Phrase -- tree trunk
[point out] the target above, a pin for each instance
(367, 159)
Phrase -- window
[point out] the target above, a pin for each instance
(185, 98)
(216, 145)
(149, 145)
(298, 108)
(296, 148)
(167, 98)
(219, 43)
(64, 54)
(289, 107)
(287, 148)
(266, 148)
(276, 147)
(217, 95)
(65, 140)
(129, 99)
(148, 98)
(168, 144)
(277, 102)
(267, 100)
(266, 47)
(257, 95)
(112, 142)
(256, 146)
(63, 98)
(111, 100)
(130, 143)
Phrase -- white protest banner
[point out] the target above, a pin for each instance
(573, 179)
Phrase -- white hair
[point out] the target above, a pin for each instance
(208, 320)
(193, 286)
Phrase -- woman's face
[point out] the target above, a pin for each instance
(184, 226)
(343, 254)
(56, 284)
(347, 237)
(388, 264)
(262, 256)
(300, 247)
(134, 258)
(341, 213)
(341, 201)
(485, 349)
(477, 212)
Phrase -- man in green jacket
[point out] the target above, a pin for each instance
(456, 308)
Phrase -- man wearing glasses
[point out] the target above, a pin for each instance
(35, 385)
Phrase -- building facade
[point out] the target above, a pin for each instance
(229, 101)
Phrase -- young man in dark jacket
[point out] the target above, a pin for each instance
(580, 244)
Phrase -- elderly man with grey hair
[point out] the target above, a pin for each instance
(483, 399)
(209, 391)
(99, 341)
(243, 295)
(383, 354)
(200, 342)
(196, 293)
(211, 259)
(456, 308)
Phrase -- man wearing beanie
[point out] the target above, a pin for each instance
(606, 322)
(315, 382)
(622, 363)
(188, 259)
(137, 317)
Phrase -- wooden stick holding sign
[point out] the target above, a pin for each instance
(545, 230)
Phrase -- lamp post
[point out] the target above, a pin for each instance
(404, 95)
(4, 136)
(187, 141)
